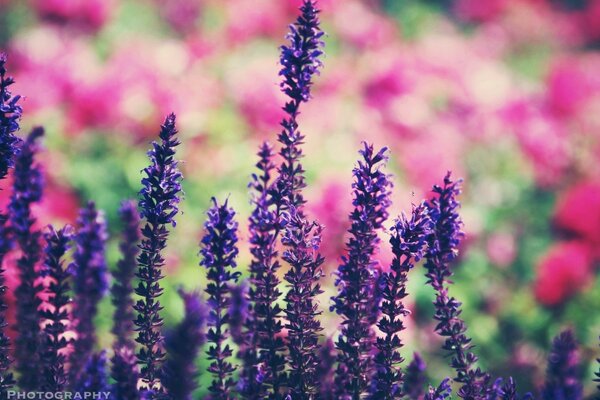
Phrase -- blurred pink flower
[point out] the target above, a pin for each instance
(247, 19)
(88, 14)
(578, 212)
(369, 29)
(562, 272)
(568, 86)
(182, 15)
(479, 11)
(501, 249)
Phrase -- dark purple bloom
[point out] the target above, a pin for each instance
(443, 391)
(325, 371)
(27, 189)
(238, 311)
(53, 359)
(122, 287)
(442, 250)
(300, 62)
(301, 240)
(414, 380)
(7, 380)
(159, 204)
(263, 354)
(508, 391)
(356, 275)
(10, 114)
(563, 374)
(90, 282)
(94, 377)
(408, 241)
(125, 373)
(219, 251)
(182, 345)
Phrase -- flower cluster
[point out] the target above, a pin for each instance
(282, 350)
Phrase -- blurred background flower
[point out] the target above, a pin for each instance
(505, 93)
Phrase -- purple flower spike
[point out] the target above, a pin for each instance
(442, 250)
(10, 114)
(414, 381)
(441, 393)
(122, 288)
(326, 370)
(563, 374)
(27, 189)
(302, 240)
(264, 362)
(53, 359)
(408, 241)
(300, 62)
(183, 344)
(356, 275)
(238, 311)
(89, 284)
(7, 380)
(125, 373)
(219, 251)
(94, 378)
(159, 203)
(508, 391)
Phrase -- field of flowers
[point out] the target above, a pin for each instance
(503, 93)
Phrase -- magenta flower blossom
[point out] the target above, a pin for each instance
(27, 189)
(53, 360)
(356, 275)
(219, 251)
(159, 204)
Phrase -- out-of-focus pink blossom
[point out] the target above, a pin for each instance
(89, 14)
(479, 11)
(182, 15)
(247, 19)
(578, 212)
(568, 86)
(562, 272)
(501, 249)
(368, 29)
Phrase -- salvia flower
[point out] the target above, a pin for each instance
(125, 373)
(264, 361)
(90, 282)
(122, 287)
(27, 189)
(55, 312)
(183, 344)
(302, 240)
(219, 251)
(10, 114)
(508, 391)
(355, 276)
(442, 250)
(414, 380)
(159, 203)
(94, 377)
(300, 62)
(408, 241)
(238, 311)
(442, 392)
(325, 371)
(563, 374)
(7, 380)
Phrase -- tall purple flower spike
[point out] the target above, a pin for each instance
(7, 380)
(264, 365)
(563, 374)
(53, 359)
(442, 250)
(300, 62)
(442, 392)
(122, 287)
(183, 345)
(301, 240)
(219, 252)
(159, 204)
(125, 373)
(408, 241)
(356, 275)
(10, 114)
(27, 189)
(414, 380)
(90, 283)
